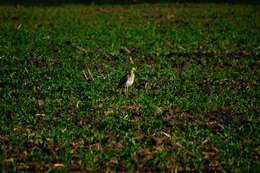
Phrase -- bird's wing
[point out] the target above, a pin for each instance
(123, 81)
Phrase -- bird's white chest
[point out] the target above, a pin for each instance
(130, 81)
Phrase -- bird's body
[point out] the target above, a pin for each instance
(127, 80)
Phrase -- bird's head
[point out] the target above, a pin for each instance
(133, 69)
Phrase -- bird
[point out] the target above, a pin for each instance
(127, 80)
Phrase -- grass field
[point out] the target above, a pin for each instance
(194, 105)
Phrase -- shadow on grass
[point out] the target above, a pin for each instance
(115, 2)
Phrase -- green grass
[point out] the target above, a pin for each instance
(198, 62)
